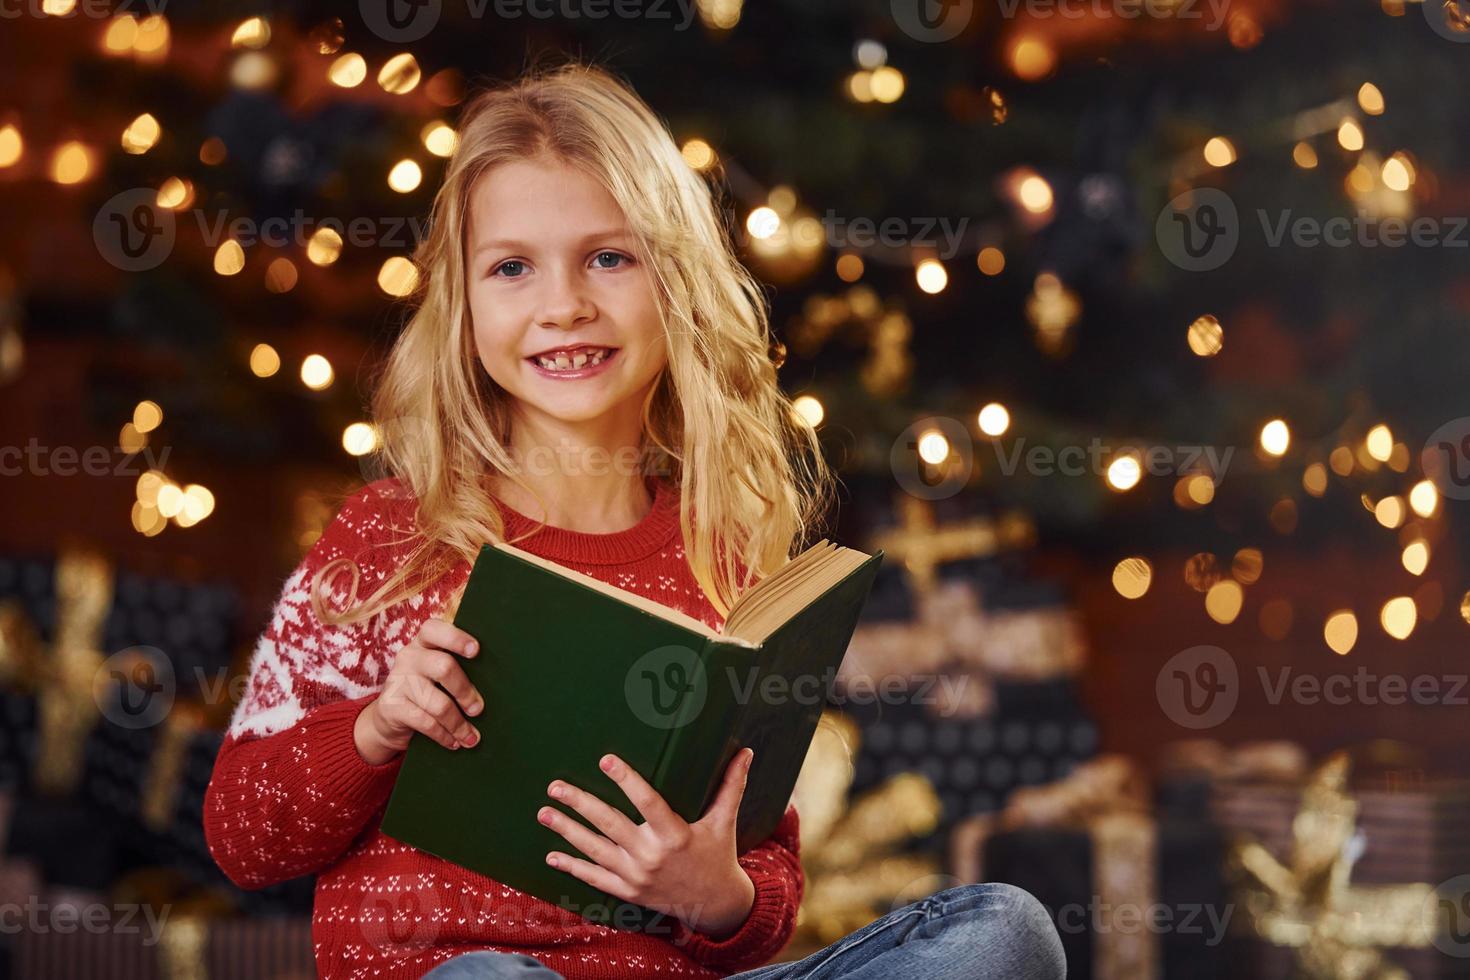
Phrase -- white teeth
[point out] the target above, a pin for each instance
(561, 362)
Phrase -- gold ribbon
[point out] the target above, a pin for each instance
(68, 709)
(166, 766)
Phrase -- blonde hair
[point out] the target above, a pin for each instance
(753, 484)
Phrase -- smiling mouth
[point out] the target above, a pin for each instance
(574, 359)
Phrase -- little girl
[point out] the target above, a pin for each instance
(586, 349)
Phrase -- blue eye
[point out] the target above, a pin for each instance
(618, 257)
(511, 267)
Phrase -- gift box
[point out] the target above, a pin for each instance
(1336, 876)
(1134, 892)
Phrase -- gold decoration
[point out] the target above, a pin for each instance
(182, 951)
(848, 852)
(951, 633)
(886, 330)
(1337, 929)
(68, 710)
(20, 647)
(166, 767)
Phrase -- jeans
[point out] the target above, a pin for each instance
(970, 932)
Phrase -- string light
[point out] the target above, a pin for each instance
(440, 139)
(147, 416)
(12, 146)
(175, 193)
(933, 447)
(1132, 577)
(398, 276)
(931, 276)
(1370, 99)
(698, 154)
(809, 409)
(1350, 135)
(141, 135)
(348, 71)
(229, 258)
(991, 261)
(1032, 59)
(1340, 631)
(359, 439)
(1424, 498)
(1219, 152)
(400, 74)
(1275, 437)
(994, 420)
(316, 372)
(264, 361)
(1124, 472)
(1398, 617)
(762, 222)
(71, 163)
(324, 246)
(1206, 337)
(405, 176)
(252, 33)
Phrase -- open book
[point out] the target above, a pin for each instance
(572, 668)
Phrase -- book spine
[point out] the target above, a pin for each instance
(701, 741)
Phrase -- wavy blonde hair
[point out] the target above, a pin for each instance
(753, 484)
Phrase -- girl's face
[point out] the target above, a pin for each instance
(565, 318)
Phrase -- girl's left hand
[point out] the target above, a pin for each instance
(687, 870)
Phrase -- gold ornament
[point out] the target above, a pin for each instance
(1337, 929)
(853, 874)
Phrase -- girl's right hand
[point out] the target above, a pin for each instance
(411, 702)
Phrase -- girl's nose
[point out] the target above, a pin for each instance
(564, 302)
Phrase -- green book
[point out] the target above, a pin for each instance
(572, 668)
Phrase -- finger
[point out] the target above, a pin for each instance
(643, 796)
(726, 807)
(443, 636)
(446, 670)
(421, 721)
(598, 877)
(605, 817)
(443, 710)
(595, 846)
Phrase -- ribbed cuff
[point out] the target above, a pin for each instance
(759, 937)
(334, 760)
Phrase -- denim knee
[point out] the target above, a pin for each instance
(487, 965)
(1030, 938)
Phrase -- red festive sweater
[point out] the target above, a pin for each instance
(291, 796)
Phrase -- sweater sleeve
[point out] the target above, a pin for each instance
(289, 793)
(774, 867)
